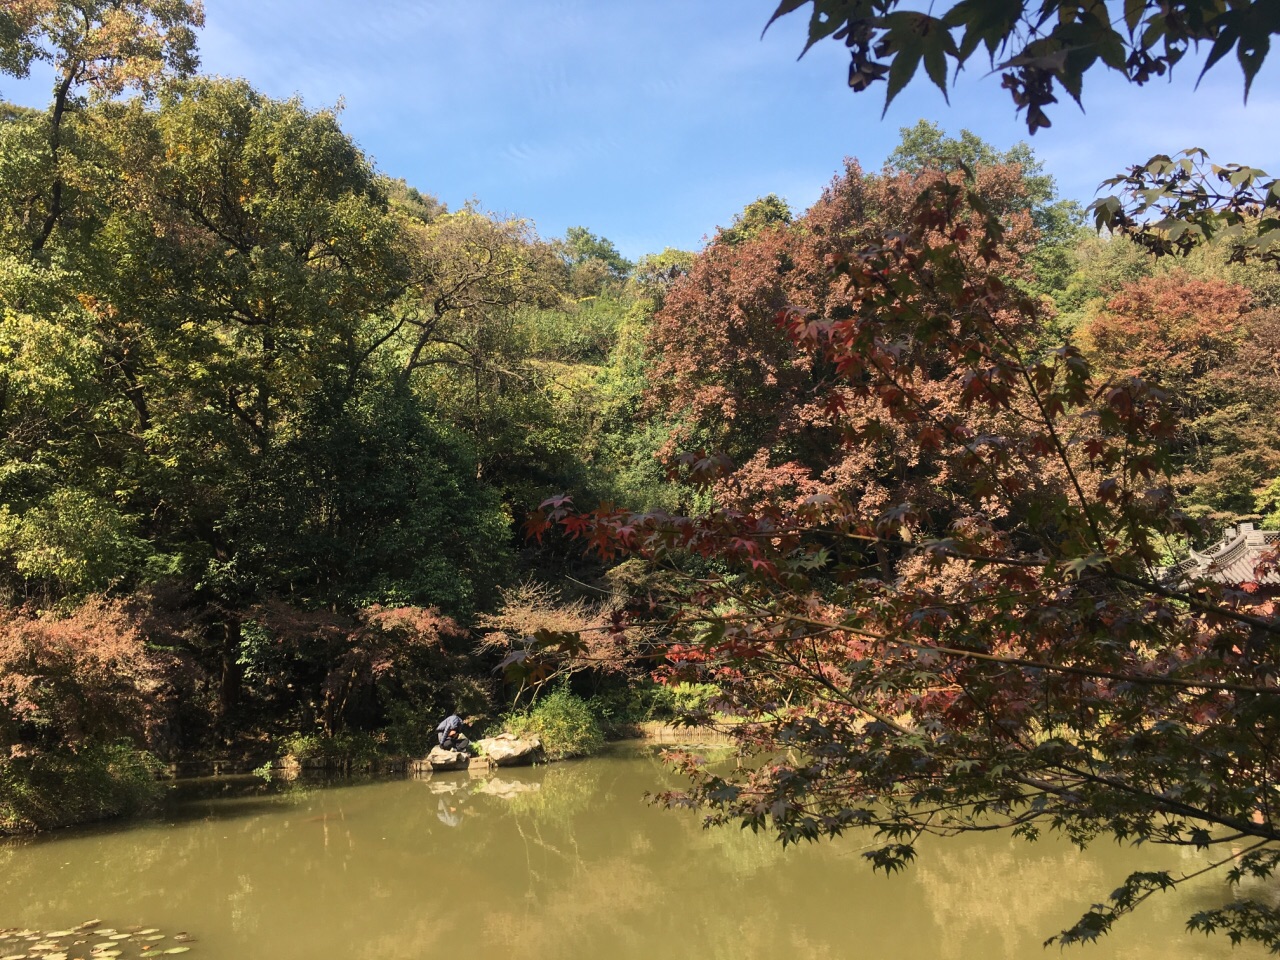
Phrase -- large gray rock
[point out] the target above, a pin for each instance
(441, 759)
(508, 750)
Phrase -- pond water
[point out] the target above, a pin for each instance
(566, 861)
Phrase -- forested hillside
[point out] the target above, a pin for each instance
(272, 421)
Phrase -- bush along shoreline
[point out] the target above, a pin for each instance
(61, 789)
(56, 789)
(563, 722)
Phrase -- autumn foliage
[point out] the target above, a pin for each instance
(930, 586)
(78, 694)
(1215, 353)
(736, 380)
(69, 681)
(346, 668)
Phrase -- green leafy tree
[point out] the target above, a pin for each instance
(206, 391)
(656, 272)
(594, 263)
(1176, 204)
(488, 337)
(1170, 203)
(106, 45)
(1060, 222)
(760, 214)
(581, 245)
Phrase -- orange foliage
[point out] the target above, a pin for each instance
(67, 681)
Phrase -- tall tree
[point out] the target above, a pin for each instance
(208, 392)
(1204, 342)
(594, 263)
(760, 214)
(732, 380)
(108, 46)
(1059, 222)
(990, 645)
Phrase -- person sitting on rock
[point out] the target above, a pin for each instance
(449, 733)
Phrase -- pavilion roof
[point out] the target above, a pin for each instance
(1233, 560)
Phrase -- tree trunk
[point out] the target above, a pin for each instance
(55, 146)
(232, 679)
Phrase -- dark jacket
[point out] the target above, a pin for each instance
(450, 724)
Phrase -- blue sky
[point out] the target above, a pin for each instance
(653, 121)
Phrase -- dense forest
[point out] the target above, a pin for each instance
(290, 454)
(273, 421)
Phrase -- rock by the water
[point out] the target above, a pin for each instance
(508, 750)
(442, 759)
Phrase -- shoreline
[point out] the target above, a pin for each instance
(213, 772)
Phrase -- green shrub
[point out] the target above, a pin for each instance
(650, 701)
(48, 790)
(409, 731)
(564, 723)
(676, 699)
(356, 746)
(624, 705)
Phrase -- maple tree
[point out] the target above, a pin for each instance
(732, 379)
(349, 666)
(955, 617)
(1207, 344)
(69, 681)
(1175, 204)
(1039, 47)
(1172, 202)
(75, 688)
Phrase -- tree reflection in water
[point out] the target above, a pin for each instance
(565, 861)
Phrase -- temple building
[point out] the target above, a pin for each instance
(1233, 560)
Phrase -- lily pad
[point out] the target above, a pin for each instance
(78, 942)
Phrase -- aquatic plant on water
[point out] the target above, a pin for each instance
(91, 941)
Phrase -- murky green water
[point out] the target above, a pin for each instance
(565, 862)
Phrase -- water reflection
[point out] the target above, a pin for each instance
(565, 861)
